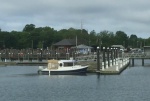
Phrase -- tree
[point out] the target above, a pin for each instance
(92, 38)
(106, 38)
(133, 41)
(121, 38)
(29, 28)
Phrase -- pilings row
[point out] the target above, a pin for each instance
(115, 65)
(110, 59)
(132, 59)
(108, 54)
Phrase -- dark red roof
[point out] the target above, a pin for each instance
(69, 42)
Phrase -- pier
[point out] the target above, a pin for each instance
(116, 68)
(140, 56)
(112, 62)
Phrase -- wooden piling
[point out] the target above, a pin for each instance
(108, 57)
(132, 61)
(142, 61)
(98, 59)
(104, 60)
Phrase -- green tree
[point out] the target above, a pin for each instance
(121, 38)
(133, 41)
(106, 37)
(47, 36)
(92, 38)
(29, 28)
(7, 40)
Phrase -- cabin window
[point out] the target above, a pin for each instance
(68, 64)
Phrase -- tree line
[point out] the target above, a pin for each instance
(43, 37)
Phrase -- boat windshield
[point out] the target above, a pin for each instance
(68, 64)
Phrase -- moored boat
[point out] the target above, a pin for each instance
(62, 67)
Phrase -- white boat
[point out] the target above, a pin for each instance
(62, 67)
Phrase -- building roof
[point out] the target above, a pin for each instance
(69, 42)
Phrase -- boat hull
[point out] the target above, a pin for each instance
(62, 72)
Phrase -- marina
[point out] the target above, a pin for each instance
(109, 61)
(109, 67)
(74, 50)
(115, 75)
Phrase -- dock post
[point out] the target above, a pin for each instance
(106, 64)
(117, 66)
(116, 52)
(132, 61)
(104, 60)
(102, 65)
(114, 62)
(110, 63)
(124, 62)
(112, 55)
(108, 56)
(142, 61)
(120, 61)
(98, 59)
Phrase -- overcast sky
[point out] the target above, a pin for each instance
(130, 16)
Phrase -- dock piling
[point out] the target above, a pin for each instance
(142, 62)
(98, 59)
(132, 61)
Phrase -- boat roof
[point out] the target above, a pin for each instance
(60, 61)
(66, 61)
(52, 61)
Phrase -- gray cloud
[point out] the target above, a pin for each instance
(131, 16)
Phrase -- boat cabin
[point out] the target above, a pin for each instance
(55, 64)
(65, 63)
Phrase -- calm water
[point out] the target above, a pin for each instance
(21, 83)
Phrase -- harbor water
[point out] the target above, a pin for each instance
(22, 83)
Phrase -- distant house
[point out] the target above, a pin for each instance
(83, 49)
(66, 44)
